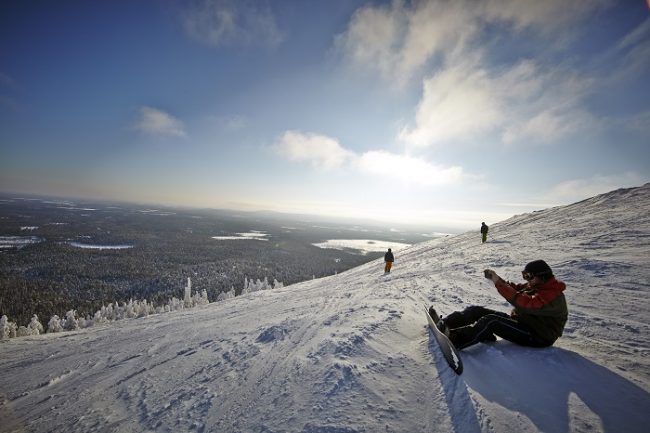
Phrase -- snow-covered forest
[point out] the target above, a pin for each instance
(353, 353)
(57, 256)
(126, 310)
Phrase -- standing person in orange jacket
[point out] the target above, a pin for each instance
(538, 318)
(388, 259)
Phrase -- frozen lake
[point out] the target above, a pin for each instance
(99, 247)
(364, 246)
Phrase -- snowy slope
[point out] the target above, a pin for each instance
(352, 353)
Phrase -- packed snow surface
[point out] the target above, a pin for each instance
(353, 353)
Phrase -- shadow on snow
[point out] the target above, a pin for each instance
(542, 384)
(461, 409)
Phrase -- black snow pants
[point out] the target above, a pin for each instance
(479, 324)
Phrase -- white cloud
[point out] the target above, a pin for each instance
(435, 28)
(400, 39)
(548, 16)
(637, 36)
(525, 104)
(547, 126)
(326, 153)
(632, 54)
(156, 122)
(457, 103)
(543, 104)
(227, 22)
(408, 169)
(464, 93)
(580, 189)
(370, 38)
(323, 152)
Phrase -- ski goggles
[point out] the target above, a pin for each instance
(527, 275)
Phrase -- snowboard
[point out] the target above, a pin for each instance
(446, 347)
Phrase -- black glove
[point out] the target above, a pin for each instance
(491, 275)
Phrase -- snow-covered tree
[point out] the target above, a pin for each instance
(35, 326)
(188, 293)
(143, 310)
(258, 285)
(70, 323)
(200, 298)
(246, 289)
(54, 325)
(131, 309)
(82, 322)
(7, 328)
(99, 316)
(226, 295)
(176, 304)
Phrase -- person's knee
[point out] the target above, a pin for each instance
(489, 321)
(475, 312)
(473, 309)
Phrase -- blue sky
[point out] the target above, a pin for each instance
(444, 113)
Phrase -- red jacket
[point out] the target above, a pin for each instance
(542, 307)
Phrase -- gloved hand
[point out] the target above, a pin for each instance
(491, 275)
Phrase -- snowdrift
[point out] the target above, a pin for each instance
(353, 353)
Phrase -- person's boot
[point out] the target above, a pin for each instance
(437, 320)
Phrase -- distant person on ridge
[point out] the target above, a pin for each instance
(537, 320)
(388, 259)
(484, 232)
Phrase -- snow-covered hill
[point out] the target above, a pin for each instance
(352, 352)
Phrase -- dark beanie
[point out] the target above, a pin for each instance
(538, 268)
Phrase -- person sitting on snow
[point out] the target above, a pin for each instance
(537, 320)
